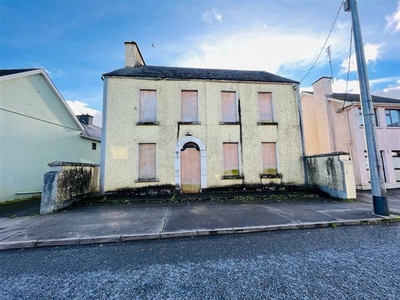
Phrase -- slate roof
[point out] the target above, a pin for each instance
(91, 131)
(157, 72)
(4, 72)
(356, 98)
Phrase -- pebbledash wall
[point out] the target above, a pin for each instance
(121, 135)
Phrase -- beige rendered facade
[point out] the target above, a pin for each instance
(202, 129)
(333, 122)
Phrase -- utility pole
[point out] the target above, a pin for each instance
(377, 186)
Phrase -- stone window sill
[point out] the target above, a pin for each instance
(271, 175)
(147, 123)
(232, 177)
(267, 123)
(229, 123)
(147, 180)
(189, 123)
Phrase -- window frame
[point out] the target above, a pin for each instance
(183, 120)
(361, 117)
(148, 122)
(395, 154)
(236, 113)
(226, 175)
(265, 165)
(139, 157)
(391, 118)
(260, 119)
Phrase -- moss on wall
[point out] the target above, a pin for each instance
(270, 171)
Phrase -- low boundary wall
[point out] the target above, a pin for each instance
(66, 183)
(332, 173)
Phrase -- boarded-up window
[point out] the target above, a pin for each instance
(148, 106)
(189, 106)
(147, 161)
(229, 113)
(269, 158)
(231, 159)
(265, 107)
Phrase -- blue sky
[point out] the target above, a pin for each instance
(76, 41)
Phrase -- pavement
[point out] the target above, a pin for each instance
(117, 221)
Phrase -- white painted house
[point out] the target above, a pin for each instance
(37, 127)
(196, 129)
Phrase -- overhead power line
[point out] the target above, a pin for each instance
(348, 64)
(326, 41)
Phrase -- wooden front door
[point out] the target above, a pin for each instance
(190, 169)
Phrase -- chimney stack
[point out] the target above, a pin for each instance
(323, 87)
(85, 119)
(133, 57)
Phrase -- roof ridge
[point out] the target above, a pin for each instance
(375, 98)
(5, 72)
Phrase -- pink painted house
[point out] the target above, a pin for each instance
(333, 122)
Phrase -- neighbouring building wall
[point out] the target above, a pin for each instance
(333, 174)
(346, 132)
(317, 119)
(311, 136)
(389, 143)
(35, 130)
(122, 136)
(388, 139)
(340, 127)
(66, 183)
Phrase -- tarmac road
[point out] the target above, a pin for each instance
(331, 263)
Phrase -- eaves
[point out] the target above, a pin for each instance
(90, 138)
(201, 80)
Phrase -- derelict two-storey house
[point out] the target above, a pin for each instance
(196, 129)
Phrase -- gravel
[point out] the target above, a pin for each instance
(360, 262)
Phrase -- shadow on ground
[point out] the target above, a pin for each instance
(23, 208)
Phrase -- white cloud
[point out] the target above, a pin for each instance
(54, 74)
(391, 91)
(59, 73)
(372, 53)
(206, 18)
(343, 25)
(339, 86)
(393, 20)
(217, 15)
(79, 108)
(259, 48)
(209, 16)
